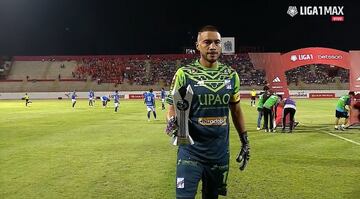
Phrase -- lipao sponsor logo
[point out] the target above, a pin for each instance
(212, 121)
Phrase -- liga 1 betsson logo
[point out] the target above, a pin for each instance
(292, 11)
(333, 57)
(293, 58)
(301, 57)
(311, 56)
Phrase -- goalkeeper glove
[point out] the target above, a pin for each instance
(171, 127)
(244, 154)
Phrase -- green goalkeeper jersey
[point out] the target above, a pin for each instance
(214, 88)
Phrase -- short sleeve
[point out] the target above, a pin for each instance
(177, 82)
(235, 97)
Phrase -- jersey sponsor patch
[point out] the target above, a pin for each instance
(180, 183)
(212, 121)
(200, 83)
(228, 84)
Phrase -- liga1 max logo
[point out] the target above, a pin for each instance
(336, 12)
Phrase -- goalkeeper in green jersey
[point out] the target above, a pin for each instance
(216, 93)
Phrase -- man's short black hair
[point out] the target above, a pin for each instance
(208, 28)
(151, 90)
(352, 93)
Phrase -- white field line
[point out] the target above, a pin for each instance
(338, 136)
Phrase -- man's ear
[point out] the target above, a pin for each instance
(197, 45)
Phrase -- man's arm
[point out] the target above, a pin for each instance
(177, 82)
(238, 118)
(239, 123)
(170, 112)
(171, 127)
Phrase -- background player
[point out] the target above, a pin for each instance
(150, 103)
(73, 98)
(104, 99)
(116, 97)
(91, 98)
(163, 96)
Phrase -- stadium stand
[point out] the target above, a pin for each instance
(318, 76)
(139, 72)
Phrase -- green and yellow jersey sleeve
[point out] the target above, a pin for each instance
(235, 97)
(177, 82)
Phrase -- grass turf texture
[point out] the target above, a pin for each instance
(49, 150)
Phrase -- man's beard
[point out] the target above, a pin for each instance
(211, 58)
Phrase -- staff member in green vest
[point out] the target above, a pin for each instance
(268, 111)
(342, 109)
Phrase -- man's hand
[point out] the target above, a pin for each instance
(171, 127)
(244, 154)
(243, 157)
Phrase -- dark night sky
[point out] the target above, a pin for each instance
(79, 27)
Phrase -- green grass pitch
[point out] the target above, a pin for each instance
(49, 150)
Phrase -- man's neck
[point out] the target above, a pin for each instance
(207, 64)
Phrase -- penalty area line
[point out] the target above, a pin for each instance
(338, 136)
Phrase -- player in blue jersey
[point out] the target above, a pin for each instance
(216, 90)
(73, 98)
(149, 100)
(104, 99)
(91, 98)
(144, 95)
(163, 96)
(116, 97)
